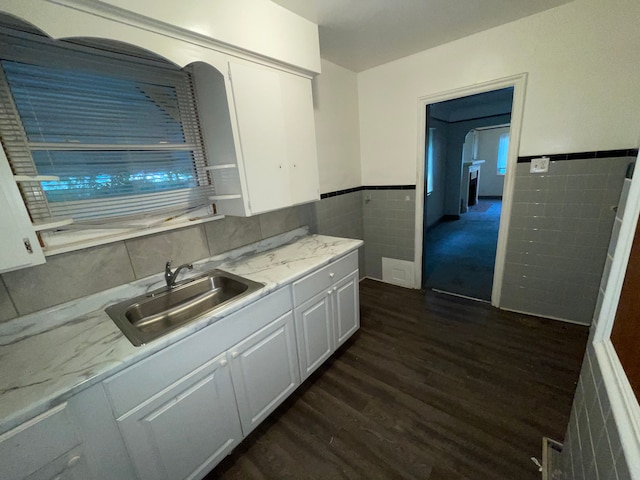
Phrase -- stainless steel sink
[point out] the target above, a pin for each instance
(150, 316)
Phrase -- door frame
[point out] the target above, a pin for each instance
(518, 82)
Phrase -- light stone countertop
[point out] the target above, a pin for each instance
(48, 356)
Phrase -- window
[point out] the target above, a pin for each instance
(430, 161)
(113, 140)
(503, 151)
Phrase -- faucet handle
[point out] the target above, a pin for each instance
(168, 265)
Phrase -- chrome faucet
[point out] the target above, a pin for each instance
(170, 276)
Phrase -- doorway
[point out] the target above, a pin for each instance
(467, 144)
(463, 218)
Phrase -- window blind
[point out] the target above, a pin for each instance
(123, 139)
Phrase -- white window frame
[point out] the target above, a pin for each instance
(63, 236)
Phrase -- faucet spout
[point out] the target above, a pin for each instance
(171, 277)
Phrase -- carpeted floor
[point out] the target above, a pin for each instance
(460, 254)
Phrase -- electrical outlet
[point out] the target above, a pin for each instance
(539, 165)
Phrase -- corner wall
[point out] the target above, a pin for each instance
(592, 447)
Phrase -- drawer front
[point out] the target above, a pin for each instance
(36, 443)
(131, 387)
(321, 279)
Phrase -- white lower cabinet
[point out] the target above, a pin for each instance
(346, 302)
(180, 411)
(314, 328)
(327, 319)
(47, 447)
(265, 371)
(185, 430)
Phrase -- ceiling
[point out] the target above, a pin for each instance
(360, 34)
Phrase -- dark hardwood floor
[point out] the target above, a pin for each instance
(431, 387)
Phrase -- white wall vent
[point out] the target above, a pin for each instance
(397, 272)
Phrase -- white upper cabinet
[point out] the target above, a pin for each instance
(259, 132)
(19, 246)
(276, 132)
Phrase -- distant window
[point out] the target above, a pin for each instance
(503, 151)
(430, 161)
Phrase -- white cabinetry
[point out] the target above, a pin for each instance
(274, 115)
(178, 409)
(19, 246)
(187, 428)
(265, 371)
(44, 448)
(326, 311)
(258, 129)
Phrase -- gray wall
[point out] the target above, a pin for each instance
(389, 227)
(341, 216)
(560, 229)
(592, 448)
(76, 274)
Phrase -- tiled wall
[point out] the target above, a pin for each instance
(560, 228)
(341, 216)
(592, 448)
(389, 227)
(76, 274)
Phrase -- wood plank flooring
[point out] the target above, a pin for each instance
(432, 387)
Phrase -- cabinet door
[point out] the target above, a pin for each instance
(265, 371)
(347, 308)
(186, 429)
(16, 225)
(72, 466)
(301, 138)
(314, 332)
(257, 96)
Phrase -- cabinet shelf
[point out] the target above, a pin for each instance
(225, 197)
(221, 167)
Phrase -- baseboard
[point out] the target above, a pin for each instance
(386, 283)
(549, 317)
(489, 197)
(444, 292)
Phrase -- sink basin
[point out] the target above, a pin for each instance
(150, 316)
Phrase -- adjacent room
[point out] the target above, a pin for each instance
(271, 239)
(467, 150)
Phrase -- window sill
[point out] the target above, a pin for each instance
(81, 239)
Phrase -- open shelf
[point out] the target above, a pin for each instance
(225, 197)
(221, 167)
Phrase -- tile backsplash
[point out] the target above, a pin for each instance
(389, 227)
(73, 275)
(561, 224)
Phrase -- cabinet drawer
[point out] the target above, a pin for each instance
(319, 280)
(131, 387)
(36, 443)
